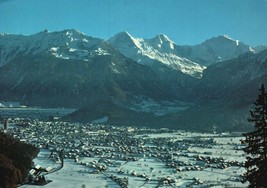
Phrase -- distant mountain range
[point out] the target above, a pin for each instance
(127, 80)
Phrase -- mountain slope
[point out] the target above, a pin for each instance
(50, 81)
(139, 79)
(160, 49)
(214, 50)
(226, 93)
(223, 97)
(67, 44)
(221, 79)
(16, 159)
(191, 60)
(108, 111)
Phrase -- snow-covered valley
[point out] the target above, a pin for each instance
(109, 156)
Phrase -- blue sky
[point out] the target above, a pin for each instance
(184, 21)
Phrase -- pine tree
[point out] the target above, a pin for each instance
(256, 144)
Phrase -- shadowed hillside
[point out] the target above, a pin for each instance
(15, 160)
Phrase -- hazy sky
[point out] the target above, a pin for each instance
(184, 21)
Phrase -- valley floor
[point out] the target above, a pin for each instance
(110, 156)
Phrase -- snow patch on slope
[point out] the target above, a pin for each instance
(160, 48)
(67, 44)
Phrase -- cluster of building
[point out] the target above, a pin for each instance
(111, 144)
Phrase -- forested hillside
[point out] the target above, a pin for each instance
(15, 160)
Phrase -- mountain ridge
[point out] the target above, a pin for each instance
(154, 79)
(71, 43)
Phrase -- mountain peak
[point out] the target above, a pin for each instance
(125, 40)
(73, 31)
(227, 37)
(217, 49)
(122, 36)
(126, 33)
(222, 38)
(163, 38)
(162, 41)
(67, 32)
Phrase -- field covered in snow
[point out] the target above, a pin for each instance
(110, 156)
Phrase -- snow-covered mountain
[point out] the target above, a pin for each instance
(214, 50)
(191, 60)
(67, 44)
(160, 48)
(69, 69)
(226, 93)
(73, 44)
(223, 78)
(260, 48)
